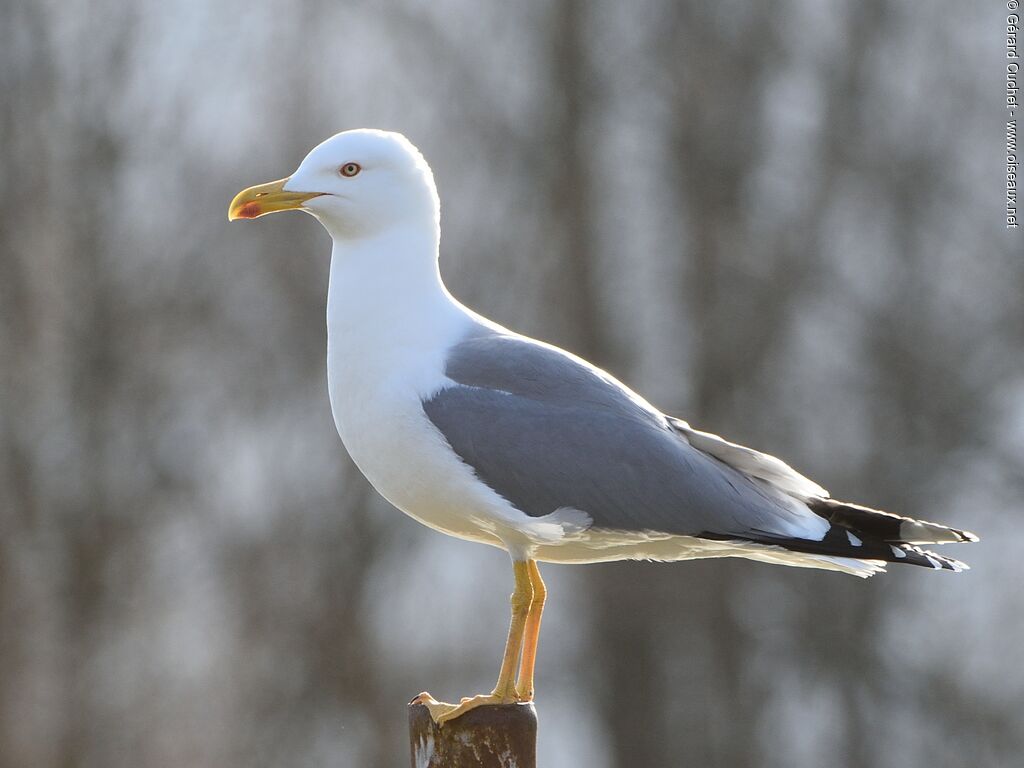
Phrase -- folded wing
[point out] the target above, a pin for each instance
(548, 431)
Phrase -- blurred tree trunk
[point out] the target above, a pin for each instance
(28, 80)
(667, 635)
(573, 294)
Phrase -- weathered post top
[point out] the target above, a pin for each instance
(493, 736)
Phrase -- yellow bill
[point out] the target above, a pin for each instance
(266, 198)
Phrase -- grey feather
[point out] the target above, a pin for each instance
(754, 463)
(546, 431)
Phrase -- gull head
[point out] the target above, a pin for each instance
(356, 183)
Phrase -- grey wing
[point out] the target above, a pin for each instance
(763, 466)
(546, 430)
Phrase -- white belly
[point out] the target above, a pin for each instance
(383, 359)
(381, 421)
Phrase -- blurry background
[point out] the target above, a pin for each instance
(784, 223)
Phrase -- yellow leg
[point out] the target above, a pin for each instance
(505, 689)
(524, 686)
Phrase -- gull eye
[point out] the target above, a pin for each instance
(349, 169)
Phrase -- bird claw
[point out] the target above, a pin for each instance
(437, 709)
(441, 712)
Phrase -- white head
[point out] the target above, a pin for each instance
(357, 183)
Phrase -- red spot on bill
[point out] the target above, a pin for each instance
(249, 211)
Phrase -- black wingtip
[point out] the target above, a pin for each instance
(911, 555)
(886, 526)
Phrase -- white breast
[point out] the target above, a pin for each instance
(381, 422)
(388, 335)
(390, 324)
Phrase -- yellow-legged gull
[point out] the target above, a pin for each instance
(490, 436)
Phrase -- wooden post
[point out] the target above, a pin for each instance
(492, 736)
